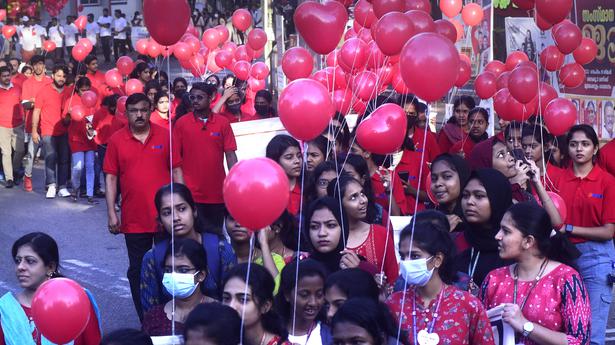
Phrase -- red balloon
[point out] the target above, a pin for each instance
(256, 84)
(382, 7)
(89, 98)
(499, 104)
(572, 75)
(560, 115)
(392, 31)
(241, 69)
(297, 63)
(2, 14)
(80, 23)
(383, 132)
(121, 104)
(79, 53)
(586, 51)
(419, 5)
(133, 86)
(222, 32)
(429, 56)
(496, 67)
(211, 62)
(61, 310)
(158, 14)
(196, 64)
(546, 93)
(359, 106)
(465, 71)
(553, 11)
(398, 83)
(86, 43)
(375, 57)
(472, 14)
(450, 8)
(153, 49)
(49, 46)
(256, 181)
(567, 37)
(518, 111)
(8, 31)
(77, 112)
(242, 19)
(193, 43)
(515, 58)
(141, 46)
(259, 70)
(354, 53)
(422, 21)
(223, 58)
(257, 38)
(485, 85)
(523, 84)
(385, 74)
(560, 205)
(242, 54)
(524, 4)
(321, 25)
(182, 51)
(229, 47)
(125, 65)
(342, 100)
(331, 58)
(365, 35)
(502, 81)
(364, 14)
(305, 108)
(551, 58)
(541, 23)
(446, 29)
(113, 78)
(211, 38)
(365, 85)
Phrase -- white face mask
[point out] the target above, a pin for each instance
(415, 272)
(180, 285)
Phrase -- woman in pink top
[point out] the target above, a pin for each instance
(545, 300)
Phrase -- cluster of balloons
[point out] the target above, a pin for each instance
(115, 77)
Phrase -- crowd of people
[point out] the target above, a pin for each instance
(487, 230)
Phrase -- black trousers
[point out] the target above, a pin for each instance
(137, 245)
(106, 47)
(119, 48)
(211, 216)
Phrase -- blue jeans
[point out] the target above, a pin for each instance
(81, 161)
(57, 155)
(594, 265)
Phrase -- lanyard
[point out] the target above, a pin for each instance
(543, 266)
(473, 263)
(434, 315)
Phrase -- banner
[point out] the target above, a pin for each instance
(503, 334)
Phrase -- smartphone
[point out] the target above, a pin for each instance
(404, 175)
(519, 155)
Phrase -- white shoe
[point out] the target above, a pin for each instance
(51, 191)
(64, 192)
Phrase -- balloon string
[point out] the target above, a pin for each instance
(245, 291)
(298, 253)
(172, 204)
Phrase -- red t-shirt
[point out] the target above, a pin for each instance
(379, 251)
(444, 142)
(98, 83)
(18, 79)
(51, 101)
(410, 163)
(201, 147)
(174, 103)
(432, 150)
(28, 93)
(106, 124)
(241, 118)
(158, 120)
(142, 169)
(11, 111)
(398, 193)
(463, 147)
(77, 133)
(294, 200)
(606, 159)
(590, 201)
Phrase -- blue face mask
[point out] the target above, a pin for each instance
(415, 272)
(180, 285)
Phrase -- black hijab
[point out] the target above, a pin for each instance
(332, 259)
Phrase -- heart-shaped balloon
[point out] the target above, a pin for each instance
(321, 25)
(384, 130)
(426, 338)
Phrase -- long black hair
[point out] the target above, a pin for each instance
(44, 246)
(354, 282)
(217, 322)
(183, 192)
(360, 166)
(468, 101)
(278, 144)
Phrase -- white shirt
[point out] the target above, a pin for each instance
(119, 24)
(70, 30)
(27, 37)
(312, 338)
(91, 30)
(39, 32)
(55, 35)
(105, 32)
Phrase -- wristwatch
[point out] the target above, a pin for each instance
(569, 228)
(528, 328)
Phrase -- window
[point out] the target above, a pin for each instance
(90, 2)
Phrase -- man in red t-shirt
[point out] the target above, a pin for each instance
(11, 126)
(28, 95)
(96, 77)
(138, 157)
(48, 113)
(203, 139)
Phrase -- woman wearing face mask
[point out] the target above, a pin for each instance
(457, 126)
(589, 193)
(37, 260)
(180, 86)
(478, 121)
(320, 177)
(485, 199)
(234, 106)
(214, 81)
(160, 116)
(285, 150)
(449, 174)
(184, 274)
(318, 151)
(248, 289)
(363, 321)
(431, 307)
(263, 107)
(300, 301)
(347, 284)
(544, 298)
(183, 220)
(371, 241)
